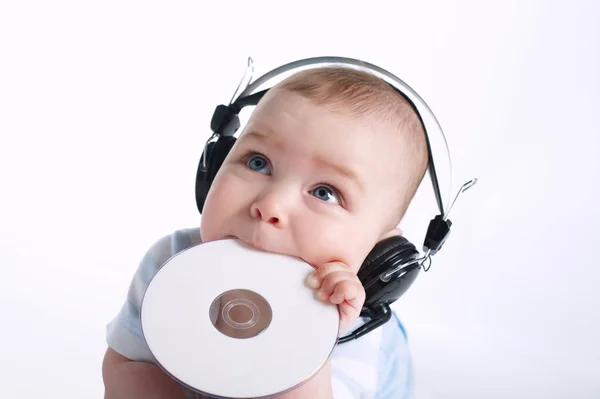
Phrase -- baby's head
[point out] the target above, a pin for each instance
(324, 169)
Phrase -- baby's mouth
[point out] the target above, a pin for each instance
(255, 245)
(251, 243)
(258, 245)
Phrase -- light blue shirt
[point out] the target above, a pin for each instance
(376, 366)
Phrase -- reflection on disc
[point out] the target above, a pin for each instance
(240, 313)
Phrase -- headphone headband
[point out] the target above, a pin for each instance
(249, 96)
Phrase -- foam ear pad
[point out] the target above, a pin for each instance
(218, 155)
(386, 255)
(215, 154)
(385, 251)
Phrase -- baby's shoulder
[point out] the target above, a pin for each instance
(173, 243)
(164, 248)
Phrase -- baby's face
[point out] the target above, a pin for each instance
(307, 182)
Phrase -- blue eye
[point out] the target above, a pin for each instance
(326, 194)
(258, 163)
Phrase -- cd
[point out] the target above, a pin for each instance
(231, 321)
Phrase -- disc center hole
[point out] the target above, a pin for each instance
(241, 313)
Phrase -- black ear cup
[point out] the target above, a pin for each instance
(385, 256)
(215, 154)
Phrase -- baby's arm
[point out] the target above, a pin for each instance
(128, 369)
(124, 378)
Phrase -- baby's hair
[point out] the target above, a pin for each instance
(365, 96)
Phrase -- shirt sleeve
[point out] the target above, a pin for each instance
(124, 332)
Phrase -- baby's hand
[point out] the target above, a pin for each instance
(337, 284)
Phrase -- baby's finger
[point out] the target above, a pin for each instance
(332, 280)
(315, 279)
(348, 315)
(351, 299)
(348, 291)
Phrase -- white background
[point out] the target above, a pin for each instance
(105, 106)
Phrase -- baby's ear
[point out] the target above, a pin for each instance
(394, 232)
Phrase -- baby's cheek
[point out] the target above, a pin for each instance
(226, 197)
(208, 230)
(328, 244)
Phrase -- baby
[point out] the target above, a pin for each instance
(324, 169)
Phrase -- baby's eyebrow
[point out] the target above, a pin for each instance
(342, 170)
(259, 136)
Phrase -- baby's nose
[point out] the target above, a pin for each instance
(269, 209)
(268, 219)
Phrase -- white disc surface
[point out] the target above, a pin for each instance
(179, 328)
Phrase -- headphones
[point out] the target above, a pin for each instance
(394, 263)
